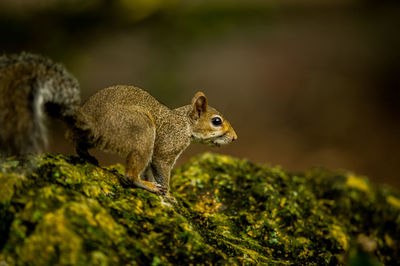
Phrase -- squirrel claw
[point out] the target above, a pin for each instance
(161, 188)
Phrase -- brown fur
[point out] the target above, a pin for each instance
(129, 121)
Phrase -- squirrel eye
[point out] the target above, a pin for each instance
(216, 121)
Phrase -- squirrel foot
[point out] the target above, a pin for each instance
(149, 186)
(170, 198)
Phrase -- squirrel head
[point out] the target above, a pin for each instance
(209, 126)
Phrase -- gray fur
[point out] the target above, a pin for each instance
(28, 83)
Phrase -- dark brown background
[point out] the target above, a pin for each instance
(304, 83)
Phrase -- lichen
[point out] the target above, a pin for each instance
(9, 182)
(57, 209)
(357, 182)
(394, 201)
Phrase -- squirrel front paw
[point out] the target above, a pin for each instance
(170, 198)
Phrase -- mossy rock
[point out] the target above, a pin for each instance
(57, 210)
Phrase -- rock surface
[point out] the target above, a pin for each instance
(57, 210)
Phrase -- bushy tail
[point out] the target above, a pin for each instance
(32, 87)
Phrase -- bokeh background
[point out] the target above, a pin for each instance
(305, 83)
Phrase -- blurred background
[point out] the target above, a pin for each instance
(305, 83)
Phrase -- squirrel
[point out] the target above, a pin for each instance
(31, 86)
(130, 122)
(120, 119)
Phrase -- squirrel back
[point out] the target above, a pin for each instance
(32, 86)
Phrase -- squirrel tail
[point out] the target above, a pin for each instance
(31, 87)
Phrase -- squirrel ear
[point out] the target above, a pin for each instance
(199, 103)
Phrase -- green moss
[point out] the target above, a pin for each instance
(9, 182)
(55, 209)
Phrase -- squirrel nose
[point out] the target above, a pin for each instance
(234, 137)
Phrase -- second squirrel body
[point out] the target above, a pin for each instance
(32, 86)
(129, 121)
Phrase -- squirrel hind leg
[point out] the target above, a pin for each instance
(136, 164)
